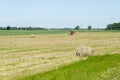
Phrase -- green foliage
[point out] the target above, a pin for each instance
(89, 27)
(90, 69)
(77, 27)
(31, 28)
(8, 27)
(22, 28)
(114, 26)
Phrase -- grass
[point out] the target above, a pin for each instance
(47, 32)
(29, 32)
(89, 69)
(24, 56)
(111, 74)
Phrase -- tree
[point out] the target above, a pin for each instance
(77, 27)
(109, 26)
(8, 27)
(114, 26)
(89, 27)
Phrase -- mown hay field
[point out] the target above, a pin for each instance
(21, 55)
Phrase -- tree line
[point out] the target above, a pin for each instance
(114, 26)
(21, 28)
(78, 28)
(39, 28)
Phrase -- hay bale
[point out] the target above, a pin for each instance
(84, 51)
(32, 36)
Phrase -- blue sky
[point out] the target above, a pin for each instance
(59, 13)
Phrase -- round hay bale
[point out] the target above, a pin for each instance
(84, 51)
(32, 36)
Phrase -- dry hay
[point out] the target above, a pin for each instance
(84, 51)
(32, 35)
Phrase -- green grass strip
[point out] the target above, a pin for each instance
(29, 32)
